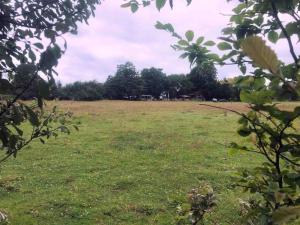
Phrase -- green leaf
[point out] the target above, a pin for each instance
(273, 36)
(262, 55)
(134, 7)
(243, 121)
(292, 28)
(238, 9)
(76, 127)
(167, 27)
(259, 20)
(228, 30)
(184, 55)
(183, 42)
(229, 55)
(49, 58)
(224, 46)
(125, 5)
(33, 118)
(160, 4)
(238, 19)
(26, 69)
(189, 35)
(209, 43)
(64, 129)
(19, 131)
(213, 56)
(159, 25)
(32, 55)
(243, 68)
(244, 132)
(199, 40)
(256, 97)
(39, 45)
(50, 34)
(146, 3)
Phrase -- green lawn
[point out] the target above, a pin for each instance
(130, 163)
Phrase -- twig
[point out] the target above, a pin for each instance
(292, 51)
(289, 160)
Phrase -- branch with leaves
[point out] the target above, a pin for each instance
(25, 27)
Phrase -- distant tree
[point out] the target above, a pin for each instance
(226, 90)
(204, 79)
(125, 83)
(154, 81)
(56, 91)
(82, 91)
(178, 85)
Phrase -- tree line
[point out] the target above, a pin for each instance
(128, 83)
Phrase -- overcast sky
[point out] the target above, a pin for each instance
(116, 36)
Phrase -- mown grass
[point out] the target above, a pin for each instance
(130, 163)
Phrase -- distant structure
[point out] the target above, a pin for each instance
(185, 97)
(147, 97)
(164, 96)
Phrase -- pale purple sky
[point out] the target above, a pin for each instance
(116, 35)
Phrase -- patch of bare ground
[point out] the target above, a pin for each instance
(106, 106)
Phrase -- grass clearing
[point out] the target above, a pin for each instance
(130, 163)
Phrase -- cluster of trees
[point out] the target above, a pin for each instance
(128, 83)
(201, 82)
(80, 91)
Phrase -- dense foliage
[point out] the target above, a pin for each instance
(154, 82)
(30, 34)
(177, 85)
(200, 83)
(81, 91)
(125, 84)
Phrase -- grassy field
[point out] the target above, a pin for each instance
(130, 163)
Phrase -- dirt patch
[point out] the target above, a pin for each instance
(123, 107)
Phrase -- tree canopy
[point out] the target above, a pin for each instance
(30, 46)
(128, 83)
(204, 80)
(81, 91)
(125, 84)
(154, 82)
